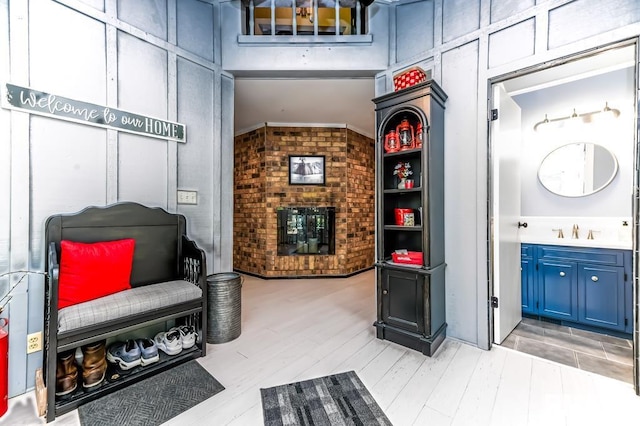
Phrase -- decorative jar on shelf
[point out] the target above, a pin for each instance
(402, 171)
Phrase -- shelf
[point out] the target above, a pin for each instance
(402, 191)
(402, 228)
(403, 265)
(70, 402)
(406, 151)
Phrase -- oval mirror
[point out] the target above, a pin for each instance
(578, 169)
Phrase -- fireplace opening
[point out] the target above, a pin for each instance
(306, 231)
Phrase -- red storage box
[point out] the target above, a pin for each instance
(411, 257)
(404, 217)
(409, 78)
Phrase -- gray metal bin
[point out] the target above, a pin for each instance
(224, 307)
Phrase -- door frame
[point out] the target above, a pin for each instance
(636, 188)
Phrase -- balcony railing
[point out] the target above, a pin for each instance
(341, 19)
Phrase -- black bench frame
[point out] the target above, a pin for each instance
(163, 253)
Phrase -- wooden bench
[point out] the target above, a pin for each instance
(168, 287)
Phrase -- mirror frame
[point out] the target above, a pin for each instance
(603, 186)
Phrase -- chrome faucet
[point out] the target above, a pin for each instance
(574, 233)
(560, 234)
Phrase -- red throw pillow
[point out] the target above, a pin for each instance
(89, 271)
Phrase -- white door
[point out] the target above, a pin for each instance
(506, 142)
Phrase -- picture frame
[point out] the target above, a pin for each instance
(307, 170)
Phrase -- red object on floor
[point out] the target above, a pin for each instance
(412, 258)
(409, 78)
(4, 366)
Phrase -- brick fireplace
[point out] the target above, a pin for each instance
(262, 189)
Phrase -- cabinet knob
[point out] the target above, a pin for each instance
(384, 292)
(562, 274)
(594, 278)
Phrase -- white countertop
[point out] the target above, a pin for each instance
(571, 242)
(608, 232)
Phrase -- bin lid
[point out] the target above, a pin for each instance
(223, 277)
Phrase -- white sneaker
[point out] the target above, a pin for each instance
(169, 342)
(188, 335)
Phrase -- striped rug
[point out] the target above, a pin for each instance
(339, 399)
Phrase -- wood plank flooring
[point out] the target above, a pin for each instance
(298, 329)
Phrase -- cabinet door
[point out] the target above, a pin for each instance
(528, 287)
(558, 290)
(601, 296)
(401, 300)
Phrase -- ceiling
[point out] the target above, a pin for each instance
(349, 100)
(305, 101)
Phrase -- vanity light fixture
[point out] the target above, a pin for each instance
(609, 113)
(575, 116)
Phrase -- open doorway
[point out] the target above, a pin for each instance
(562, 176)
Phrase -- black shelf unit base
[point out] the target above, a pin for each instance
(426, 345)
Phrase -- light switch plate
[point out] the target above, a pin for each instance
(187, 197)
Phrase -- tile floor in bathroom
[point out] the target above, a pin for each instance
(598, 353)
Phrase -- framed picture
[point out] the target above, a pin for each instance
(306, 169)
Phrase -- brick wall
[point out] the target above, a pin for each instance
(249, 217)
(262, 185)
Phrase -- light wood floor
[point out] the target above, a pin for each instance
(299, 329)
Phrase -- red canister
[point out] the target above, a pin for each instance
(400, 215)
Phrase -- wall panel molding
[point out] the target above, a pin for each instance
(110, 19)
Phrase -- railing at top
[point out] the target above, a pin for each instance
(302, 17)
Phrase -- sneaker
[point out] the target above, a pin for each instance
(169, 342)
(126, 355)
(148, 351)
(188, 334)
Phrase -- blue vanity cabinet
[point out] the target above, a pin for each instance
(584, 285)
(601, 290)
(527, 271)
(558, 290)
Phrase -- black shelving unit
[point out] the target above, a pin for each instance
(411, 297)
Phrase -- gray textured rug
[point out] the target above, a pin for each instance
(152, 401)
(340, 399)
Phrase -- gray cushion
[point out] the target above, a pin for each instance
(129, 302)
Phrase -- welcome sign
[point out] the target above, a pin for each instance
(41, 103)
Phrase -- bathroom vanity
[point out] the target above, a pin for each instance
(590, 286)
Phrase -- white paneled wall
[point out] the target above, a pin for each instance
(459, 17)
(578, 20)
(150, 57)
(505, 8)
(148, 15)
(461, 189)
(512, 43)
(415, 21)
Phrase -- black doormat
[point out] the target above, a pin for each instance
(154, 400)
(340, 399)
